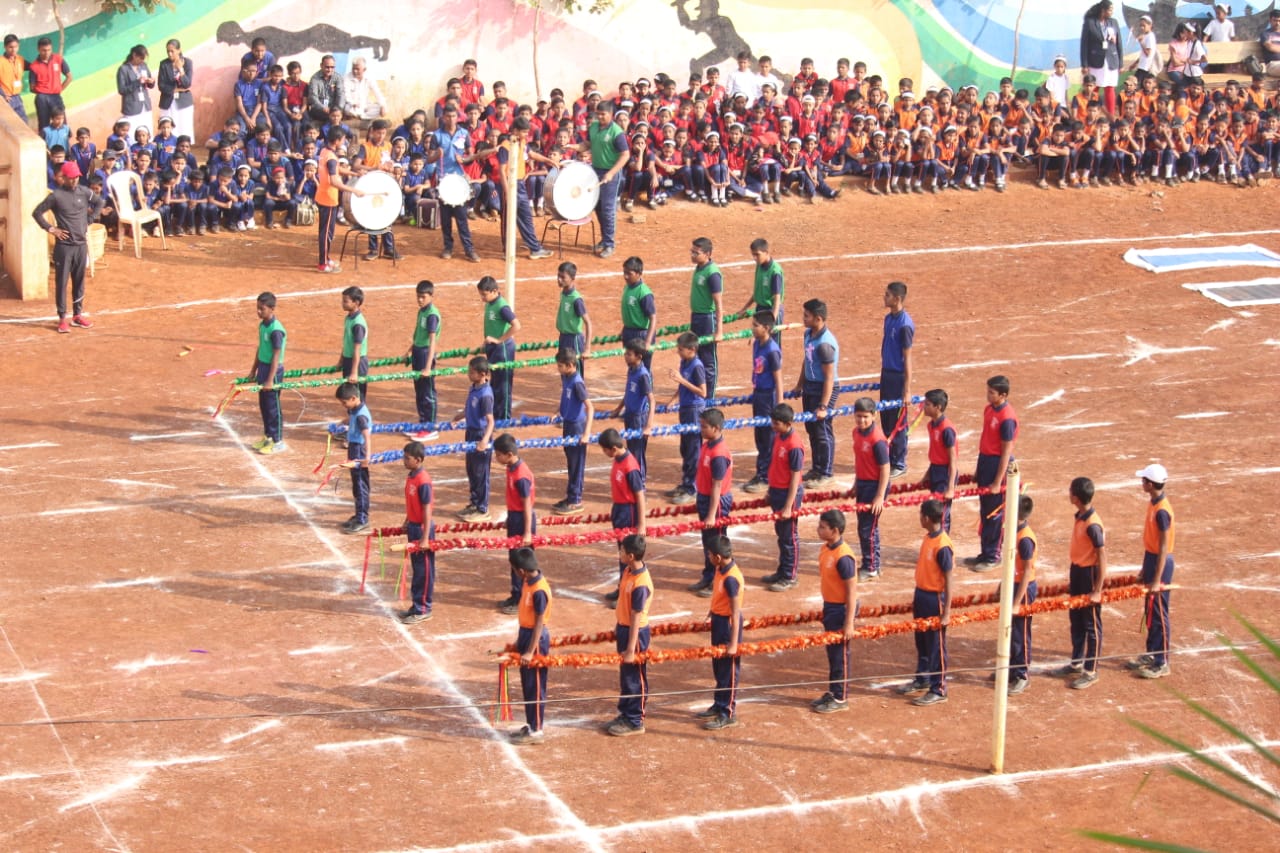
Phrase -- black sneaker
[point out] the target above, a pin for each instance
(720, 721)
(972, 561)
(984, 565)
(823, 698)
(830, 705)
(623, 728)
(684, 498)
(353, 527)
(414, 618)
(1140, 662)
(919, 685)
(782, 584)
(509, 601)
(1018, 685)
(864, 575)
(702, 589)
(708, 713)
(772, 578)
(929, 698)
(756, 485)
(898, 472)
(1070, 670)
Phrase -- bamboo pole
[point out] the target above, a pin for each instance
(1008, 556)
(509, 213)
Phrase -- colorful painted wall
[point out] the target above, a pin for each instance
(413, 47)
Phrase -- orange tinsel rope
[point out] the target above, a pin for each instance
(826, 638)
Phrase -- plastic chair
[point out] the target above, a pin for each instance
(123, 186)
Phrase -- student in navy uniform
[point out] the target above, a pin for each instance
(420, 529)
(932, 598)
(1024, 592)
(786, 493)
(532, 611)
(838, 577)
(500, 329)
(944, 453)
(635, 598)
(995, 449)
(268, 369)
(766, 392)
(626, 488)
(451, 149)
(870, 483)
(691, 392)
(479, 421)
(895, 373)
(353, 362)
(639, 313)
(817, 387)
(202, 214)
(1157, 573)
(706, 307)
(522, 519)
(1088, 573)
(572, 321)
(726, 630)
(713, 486)
(576, 415)
(422, 356)
(359, 435)
(637, 405)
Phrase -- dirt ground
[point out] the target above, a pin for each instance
(188, 664)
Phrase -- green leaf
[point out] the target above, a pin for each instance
(1139, 843)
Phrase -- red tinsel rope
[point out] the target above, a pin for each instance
(826, 638)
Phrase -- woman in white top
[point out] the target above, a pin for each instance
(1148, 62)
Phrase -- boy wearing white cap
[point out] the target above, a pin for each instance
(1157, 573)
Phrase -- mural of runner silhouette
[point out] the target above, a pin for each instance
(1165, 18)
(717, 27)
(321, 37)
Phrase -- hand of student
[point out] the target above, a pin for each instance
(269, 385)
(526, 658)
(820, 414)
(718, 336)
(647, 431)
(628, 657)
(491, 340)
(945, 618)
(731, 648)
(949, 494)
(877, 506)
(526, 540)
(1096, 597)
(482, 446)
(786, 513)
(673, 374)
(848, 633)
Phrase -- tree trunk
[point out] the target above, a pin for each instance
(62, 29)
(537, 19)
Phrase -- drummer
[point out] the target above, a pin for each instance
(451, 148)
(610, 149)
(330, 185)
(375, 156)
(524, 210)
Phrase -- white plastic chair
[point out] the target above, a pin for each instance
(123, 186)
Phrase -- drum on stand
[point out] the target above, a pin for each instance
(454, 190)
(572, 191)
(380, 205)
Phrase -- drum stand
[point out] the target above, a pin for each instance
(363, 232)
(561, 224)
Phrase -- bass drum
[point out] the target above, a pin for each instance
(572, 191)
(381, 203)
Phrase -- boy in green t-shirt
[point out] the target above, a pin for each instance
(353, 362)
(500, 328)
(422, 357)
(267, 370)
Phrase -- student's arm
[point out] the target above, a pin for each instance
(641, 510)
(777, 383)
(526, 507)
(648, 417)
(591, 416)
(1161, 556)
(735, 618)
(433, 341)
(270, 384)
(788, 506)
(877, 505)
(1096, 595)
(653, 325)
(713, 511)
(828, 388)
(483, 444)
(526, 656)
(1020, 594)
(367, 432)
(906, 378)
(586, 331)
(851, 604)
(945, 561)
(1006, 450)
(718, 299)
(953, 469)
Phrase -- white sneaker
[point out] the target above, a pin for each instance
(251, 225)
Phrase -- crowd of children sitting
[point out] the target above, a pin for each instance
(701, 144)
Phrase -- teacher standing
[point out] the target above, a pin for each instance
(134, 82)
(73, 208)
(174, 82)
(1100, 50)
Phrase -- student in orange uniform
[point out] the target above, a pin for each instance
(1088, 571)
(838, 574)
(632, 634)
(726, 630)
(1024, 592)
(1157, 573)
(532, 638)
(932, 598)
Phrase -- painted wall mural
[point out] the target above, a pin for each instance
(413, 47)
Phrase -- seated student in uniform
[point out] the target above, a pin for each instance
(278, 196)
(200, 213)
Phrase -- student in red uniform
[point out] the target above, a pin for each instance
(713, 490)
(838, 575)
(420, 529)
(635, 598)
(522, 521)
(786, 493)
(726, 630)
(944, 453)
(1088, 571)
(932, 598)
(1024, 592)
(532, 638)
(870, 483)
(995, 449)
(1157, 573)
(626, 487)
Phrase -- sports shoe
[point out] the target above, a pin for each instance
(984, 565)
(929, 698)
(1084, 681)
(412, 618)
(1018, 685)
(526, 737)
(540, 254)
(756, 485)
(606, 252)
(446, 255)
(354, 526)
(466, 510)
(1068, 670)
(864, 575)
(475, 515)
(829, 704)
(423, 435)
(622, 728)
(772, 577)
(702, 589)
(783, 584)
(81, 321)
(473, 257)
(972, 561)
(720, 721)
(1154, 671)
(683, 498)
(272, 447)
(898, 472)
(708, 713)
(1140, 662)
(371, 256)
(918, 685)
(510, 609)
(64, 328)
(565, 508)
(260, 443)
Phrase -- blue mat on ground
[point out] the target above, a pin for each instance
(1173, 260)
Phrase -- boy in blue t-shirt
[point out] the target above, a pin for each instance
(691, 379)
(766, 392)
(478, 417)
(576, 414)
(201, 212)
(359, 441)
(637, 403)
(278, 196)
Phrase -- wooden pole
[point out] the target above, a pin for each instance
(509, 217)
(1008, 554)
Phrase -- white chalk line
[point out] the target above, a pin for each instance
(29, 446)
(189, 434)
(44, 712)
(338, 746)
(910, 794)
(684, 270)
(1195, 416)
(258, 729)
(319, 650)
(150, 662)
(1070, 427)
(140, 484)
(557, 806)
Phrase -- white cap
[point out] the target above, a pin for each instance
(1154, 472)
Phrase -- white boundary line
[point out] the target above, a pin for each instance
(578, 830)
(909, 794)
(804, 259)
